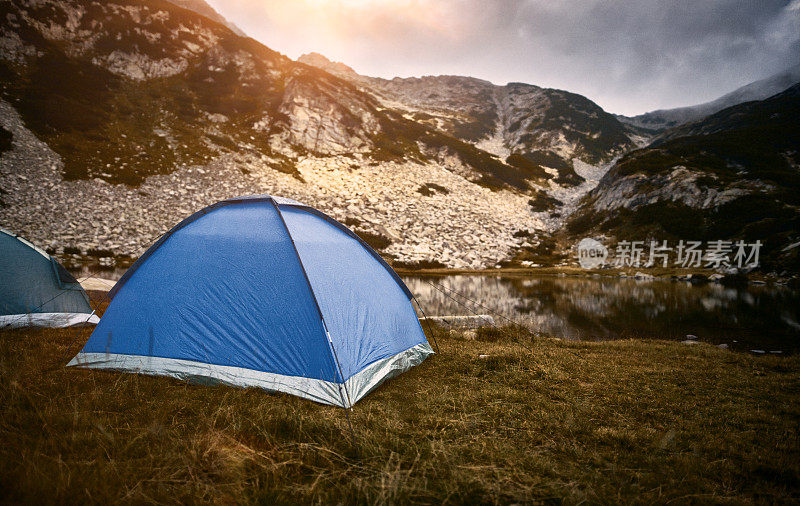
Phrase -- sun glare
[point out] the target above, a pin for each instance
(353, 3)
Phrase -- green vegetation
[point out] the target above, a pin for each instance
(542, 253)
(401, 138)
(535, 161)
(749, 218)
(108, 126)
(548, 159)
(581, 121)
(501, 419)
(376, 241)
(417, 266)
(534, 169)
(751, 141)
(542, 202)
(123, 129)
(6, 140)
(478, 124)
(430, 189)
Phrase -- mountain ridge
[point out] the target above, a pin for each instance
(515, 118)
(204, 9)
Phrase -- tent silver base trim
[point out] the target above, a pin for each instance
(52, 320)
(370, 378)
(325, 392)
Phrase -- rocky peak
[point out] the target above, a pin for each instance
(141, 111)
(335, 68)
(202, 8)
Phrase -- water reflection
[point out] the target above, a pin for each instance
(597, 308)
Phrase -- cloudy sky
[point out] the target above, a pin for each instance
(629, 56)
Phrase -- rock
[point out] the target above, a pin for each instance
(735, 280)
(97, 284)
(643, 276)
(688, 341)
(469, 321)
(758, 352)
(722, 346)
(691, 336)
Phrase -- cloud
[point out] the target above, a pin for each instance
(628, 55)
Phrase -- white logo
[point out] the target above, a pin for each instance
(591, 253)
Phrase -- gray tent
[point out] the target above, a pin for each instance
(36, 290)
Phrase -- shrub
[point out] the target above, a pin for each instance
(429, 189)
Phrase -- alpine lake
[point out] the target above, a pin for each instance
(757, 318)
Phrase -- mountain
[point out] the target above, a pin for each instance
(537, 129)
(732, 175)
(121, 117)
(202, 8)
(659, 120)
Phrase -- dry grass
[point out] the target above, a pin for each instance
(573, 422)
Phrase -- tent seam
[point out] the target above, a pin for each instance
(331, 349)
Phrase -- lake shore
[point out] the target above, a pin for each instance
(503, 418)
(85, 266)
(644, 273)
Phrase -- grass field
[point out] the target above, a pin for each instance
(538, 420)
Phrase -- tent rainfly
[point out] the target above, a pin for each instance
(36, 290)
(261, 291)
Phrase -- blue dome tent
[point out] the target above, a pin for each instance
(261, 291)
(36, 290)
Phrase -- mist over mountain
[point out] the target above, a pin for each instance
(659, 120)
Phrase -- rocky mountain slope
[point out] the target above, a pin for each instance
(656, 121)
(119, 118)
(732, 175)
(129, 89)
